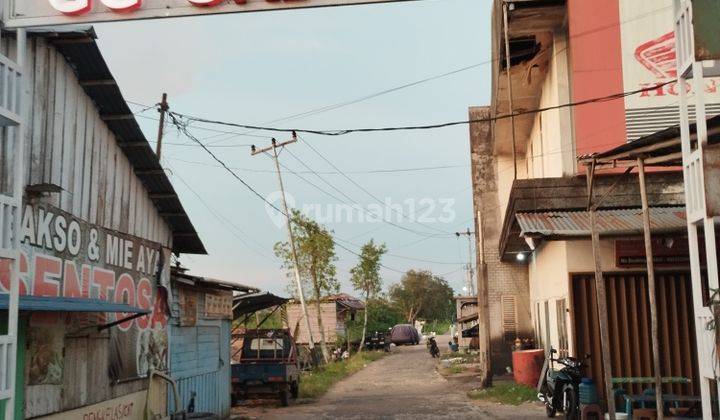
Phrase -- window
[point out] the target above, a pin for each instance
(509, 317)
(561, 313)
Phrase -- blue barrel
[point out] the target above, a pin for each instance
(588, 392)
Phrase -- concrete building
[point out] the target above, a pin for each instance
(531, 196)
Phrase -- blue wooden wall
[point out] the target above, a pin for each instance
(200, 361)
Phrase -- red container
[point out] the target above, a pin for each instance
(527, 365)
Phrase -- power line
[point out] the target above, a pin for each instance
(342, 132)
(359, 172)
(363, 189)
(352, 202)
(183, 128)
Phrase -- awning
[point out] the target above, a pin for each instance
(66, 304)
(247, 304)
(576, 224)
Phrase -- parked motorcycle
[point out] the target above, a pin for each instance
(433, 347)
(559, 389)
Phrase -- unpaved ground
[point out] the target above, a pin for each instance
(403, 385)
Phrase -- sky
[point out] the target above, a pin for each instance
(256, 68)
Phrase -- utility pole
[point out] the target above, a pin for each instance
(298, 282)
(164, 107)
(471, 283)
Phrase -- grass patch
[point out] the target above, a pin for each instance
(466, 357)
(315, 383)
(438, 326)
(454, 369)
(509, 393)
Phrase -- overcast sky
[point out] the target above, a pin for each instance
(255, 68)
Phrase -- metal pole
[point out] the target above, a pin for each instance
(296, 270)
(164, 107)
(509, 83)
(651, 289)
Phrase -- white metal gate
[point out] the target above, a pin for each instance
(12, 94)
(697, 201)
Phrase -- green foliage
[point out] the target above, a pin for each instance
(315, 383)
(422, 295)
(439, 326)
(365, 276)
(505, 393)
(273, 322)
(316, 257)
(382, 314)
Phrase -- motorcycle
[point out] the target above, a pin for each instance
(559, 389)
(433, 347)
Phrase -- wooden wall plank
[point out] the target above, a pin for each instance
(39, 112)
(88, 159)
(58, 127)
(28, 86)
(49, 139)
(75, 372)
(79, 160)
(96, 177)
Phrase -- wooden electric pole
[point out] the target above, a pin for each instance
(298, 282)
(164, 107)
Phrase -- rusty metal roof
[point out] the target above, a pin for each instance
(569, 224)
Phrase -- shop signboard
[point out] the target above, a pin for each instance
(64, 256)
(26, 13)
(649, 60)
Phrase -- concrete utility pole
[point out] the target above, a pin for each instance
(164, 107)
(298, 281)
(470, 282)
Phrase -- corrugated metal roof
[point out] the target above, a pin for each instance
(66, 304)
(563, 224)
(82, 53)
(193, 280)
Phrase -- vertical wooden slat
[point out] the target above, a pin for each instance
(633, 330)
(39, 112)
(49, 139)
(88, 158)
(57, 133)
(79, 161)
(625, 324)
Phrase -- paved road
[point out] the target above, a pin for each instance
(403, 385)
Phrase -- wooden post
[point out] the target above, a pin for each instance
(602, 315)
(163, 109)
(600, 294)
(651, 289)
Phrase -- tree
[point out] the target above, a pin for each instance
(420, 294)
(316, 261)
(365, 277)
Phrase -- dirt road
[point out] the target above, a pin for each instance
(403, 385)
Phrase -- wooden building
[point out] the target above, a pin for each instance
(100, 221)
(201, 314)
(335, 311)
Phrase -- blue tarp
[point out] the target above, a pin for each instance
(65, 304)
